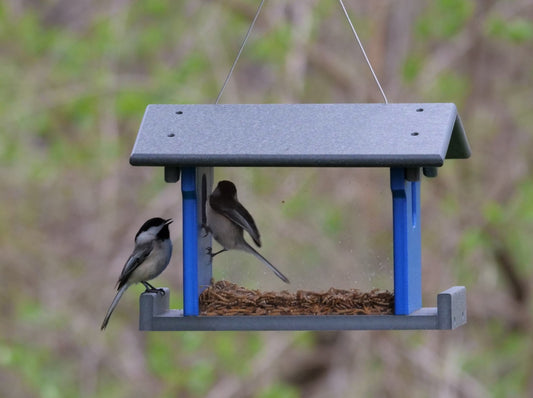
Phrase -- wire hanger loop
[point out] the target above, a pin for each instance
(250, 31)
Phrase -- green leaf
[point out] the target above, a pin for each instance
(516, 31)
(412, 67)
(444, 18)
(493, 212)
(279, 390)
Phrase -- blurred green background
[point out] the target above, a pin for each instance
(75, 78)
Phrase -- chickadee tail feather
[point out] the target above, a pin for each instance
(113, 305)
(251, 250)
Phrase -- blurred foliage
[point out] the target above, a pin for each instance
(444, 19)
(75, 79)
(516, 31)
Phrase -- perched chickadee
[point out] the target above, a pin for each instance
(226, 220)
(150, 257)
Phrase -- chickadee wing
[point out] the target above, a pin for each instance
(238, 214)
(137, 258)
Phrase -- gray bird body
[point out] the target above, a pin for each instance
(227, 220)
(149, 259)
(146, 262)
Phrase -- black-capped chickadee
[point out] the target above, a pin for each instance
(150, 257)
(226, 220)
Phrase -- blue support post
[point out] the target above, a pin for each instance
(407, 247)
(190, 241)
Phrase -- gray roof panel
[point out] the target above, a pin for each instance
(318, 135)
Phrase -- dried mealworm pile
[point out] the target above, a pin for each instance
(226, 298)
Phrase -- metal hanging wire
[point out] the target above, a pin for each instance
(250, 31)
(240, 51)
(363, 51)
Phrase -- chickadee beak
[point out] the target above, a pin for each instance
(169, 221)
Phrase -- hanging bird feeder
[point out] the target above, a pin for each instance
(410, 139)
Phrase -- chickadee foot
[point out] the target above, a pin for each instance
(205, 228)
(209, 251)
(152, 289)
(218, 252)
(157, 290)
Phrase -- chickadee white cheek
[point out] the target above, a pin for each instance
(145, 237)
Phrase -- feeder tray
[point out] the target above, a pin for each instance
(450, 313)
(226, 298)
